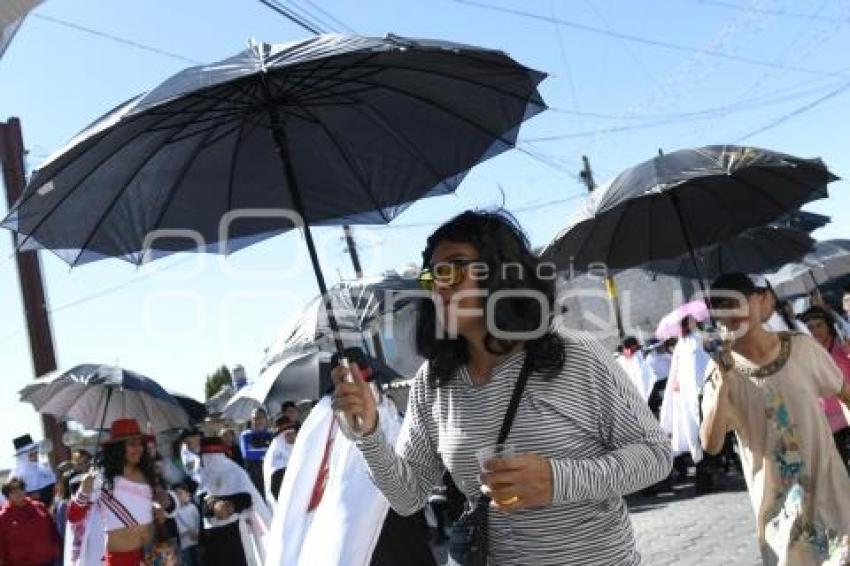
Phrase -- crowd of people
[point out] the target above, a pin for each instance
(136, 505)
(568, 430)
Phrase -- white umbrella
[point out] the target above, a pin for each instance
(241, 405)
(295, 375)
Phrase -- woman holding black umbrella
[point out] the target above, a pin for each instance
(122, 491)
(581, 437)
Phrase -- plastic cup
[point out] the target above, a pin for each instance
(484, 455)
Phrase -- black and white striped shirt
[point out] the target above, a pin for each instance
(589, 420)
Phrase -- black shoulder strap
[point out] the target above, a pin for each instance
(514, 403)
(483, 502)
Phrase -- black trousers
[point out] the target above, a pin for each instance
(255, 472)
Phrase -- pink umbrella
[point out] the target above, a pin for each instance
(671, 325)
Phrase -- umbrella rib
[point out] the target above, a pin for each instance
(91, 142)
(235, 127)
(700, 184)
(172, 191)
(63, 198)
(183, 135)
(440, 107)
(376, 119)
(393, 66)
(821, 188)
(234, 156)
(122, 191)
(310, 72)
(197, 121)
(781, 207)
(351, 164)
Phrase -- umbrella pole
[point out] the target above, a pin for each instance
(352, 430)
(693, 256)
(282, 145)
(103, 419)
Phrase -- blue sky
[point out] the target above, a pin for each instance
(627, 78)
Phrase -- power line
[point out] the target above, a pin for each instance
(289, 15)
(645, 40)
(796, 112)
(658, 120)
(114, 38)
(765, 11)
(118, 287)
(331, 17)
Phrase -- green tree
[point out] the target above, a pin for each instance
(216, 380)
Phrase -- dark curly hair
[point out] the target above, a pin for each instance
(500, 241)
(112, 462)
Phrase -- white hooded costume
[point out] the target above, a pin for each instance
(680, 409)
(344, 529)
(639, 372)
(36, 475)
(221, 477)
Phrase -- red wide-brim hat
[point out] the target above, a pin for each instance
(125, 429)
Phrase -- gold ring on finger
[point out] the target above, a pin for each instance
(509, 501)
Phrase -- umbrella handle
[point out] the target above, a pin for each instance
(353, 430)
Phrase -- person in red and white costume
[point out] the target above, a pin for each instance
(121, 491)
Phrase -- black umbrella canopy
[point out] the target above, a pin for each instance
(757, 250)
(196, 410)
(342, 129)
(676, 202)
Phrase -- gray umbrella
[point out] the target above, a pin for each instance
(828, 260)
(337, 129)
(95, 395)
(676, 202)
(355, 305)
(757, 250)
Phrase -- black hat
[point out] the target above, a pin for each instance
(187, 432)
(24, 444)
(735, 283)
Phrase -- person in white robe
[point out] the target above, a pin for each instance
(36, 475)
(236, 518)
(680, 417)
(633, 362)
(327, 489)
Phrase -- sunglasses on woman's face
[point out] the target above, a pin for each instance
(445, 274)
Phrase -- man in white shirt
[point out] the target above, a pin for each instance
(277, 457)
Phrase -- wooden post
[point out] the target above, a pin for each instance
(32, 286)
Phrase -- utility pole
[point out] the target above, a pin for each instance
(351, 243)
(32, 286)
(352, 251)
(586, 175)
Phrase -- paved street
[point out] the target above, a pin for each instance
(681, 529)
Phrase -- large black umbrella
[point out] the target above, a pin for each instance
(331, 130)
(757, 250)
(676, 202)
